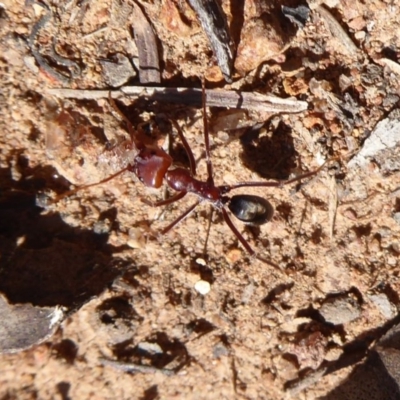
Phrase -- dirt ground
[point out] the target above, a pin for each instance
(136, 323)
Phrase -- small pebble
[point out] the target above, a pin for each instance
(136, 239)
(117, 72)
(384, 305)
(150, 348)
(360, 35)
(30, 63)
(202, 287)
(201, 261)
(340, 309)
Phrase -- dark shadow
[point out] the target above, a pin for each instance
(370, 381)
(311, 313)
(205, 272)
(271, 156)
(179, 298)
(200, 326)
(150, 394)
(377, 378)
(45, 261)
(66, 350)
(157, 351)
(63, 388)
(236, 25)
(117, 308)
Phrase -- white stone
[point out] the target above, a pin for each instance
(202, 287)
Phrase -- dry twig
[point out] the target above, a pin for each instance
(192, 97)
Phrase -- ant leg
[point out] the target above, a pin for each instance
(264, 260)
(210, 174)
(226, 189)
(208, 230)
(237, 233)
(306, 175)
(180, 218)
(171, 200)
(188, 150)
(244, 241)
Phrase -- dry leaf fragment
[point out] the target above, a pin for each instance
(149, 63)
(214, 24)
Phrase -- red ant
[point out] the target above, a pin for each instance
(152, 165)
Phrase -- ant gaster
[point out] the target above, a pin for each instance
(152, 165)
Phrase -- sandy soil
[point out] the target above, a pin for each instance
(130, 295)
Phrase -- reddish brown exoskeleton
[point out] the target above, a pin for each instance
(153, 166)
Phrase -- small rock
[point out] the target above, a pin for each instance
(384, 305)
(340, 310)
(396, 217)
(150, 348)
(25, 325)
(202, 287)
(385, 136)
(119, 72)
(201, 261)
(220, 350)
(298, 15)
(31, 64)
(136, 239)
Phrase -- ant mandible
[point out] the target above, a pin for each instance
(152, 165)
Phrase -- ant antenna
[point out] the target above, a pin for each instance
(210, 178)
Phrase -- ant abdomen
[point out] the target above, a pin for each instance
(251, 209)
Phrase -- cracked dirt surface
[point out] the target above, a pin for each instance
(128, 293)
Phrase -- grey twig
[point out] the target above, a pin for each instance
(192, 97)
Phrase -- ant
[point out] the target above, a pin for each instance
(152, 165)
